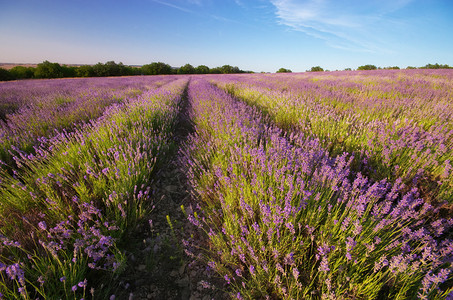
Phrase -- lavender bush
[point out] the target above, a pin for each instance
(45, 107)
(397, 124)
(65, 211)
(283, 220)
(332, 185)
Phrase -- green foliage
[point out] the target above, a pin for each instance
(110, 68)
(283, 70)
(47, 69)
(411, 68)
(69, 71)
(216, 70)
(156, 68)
(436, 66)
(21, 72)
(186, 69)
(95, 189)
(5, 75)
(347, 69)
(85, 71)
(367, 67)
(316, 69)
(227, 69)
(202, 69)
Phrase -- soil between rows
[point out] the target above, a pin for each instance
(157, 267)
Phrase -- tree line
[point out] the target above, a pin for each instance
(372, 67)
(48, 69)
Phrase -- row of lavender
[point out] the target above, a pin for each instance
(396, 124)
(33, 112)
(284, 219)
(68, 203)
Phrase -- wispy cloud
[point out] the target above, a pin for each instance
(350, 25)
(197, 12)
(239, 3)
(175, 6)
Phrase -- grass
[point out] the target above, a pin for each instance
(285, 221)
(303, 186)
(90, 189)
(385, 144)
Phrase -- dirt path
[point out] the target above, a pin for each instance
(157, 267)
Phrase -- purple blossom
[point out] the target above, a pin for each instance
(82, 284)
(193, 220)
(227, 279)
(42, 225)
(41, 280)
(252, 270)
(296, 273)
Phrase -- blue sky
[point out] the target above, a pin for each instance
(257, 35)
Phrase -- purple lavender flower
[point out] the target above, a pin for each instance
(42, 225)
(41, 280)
(252, 270)
(227, 279)
(296, 273)
(205, 284)
(83, 284)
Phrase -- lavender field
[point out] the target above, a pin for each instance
(333, 185)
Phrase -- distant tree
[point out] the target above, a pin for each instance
(47, 69)
(227, 69)
(156, 68)
(410, 68)
(21, 72)
(100, 70)
(114, 69)
(110, 68)
(69, 71)
(367, 67)
(202, 69)
(216, 70)
(131, 70)
(392, 68)
(186, 69)
(85, 71)
(436, 66)
(347, 69)
(5, 75)
(316, 69)
(283, 70)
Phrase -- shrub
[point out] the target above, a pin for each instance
(367, 67)
(316, 69)
(47, 69)
(5, 75)
(283, 70)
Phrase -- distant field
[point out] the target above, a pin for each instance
(329, 185)
(9, 66)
